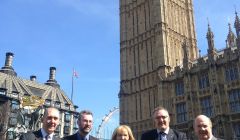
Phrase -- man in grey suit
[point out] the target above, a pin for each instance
(163, 131)
(85, 123)
(50, 122)
(203, 128)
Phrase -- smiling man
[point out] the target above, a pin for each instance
(50, 121)
(163, 131)
(203, 128)
(85, 124)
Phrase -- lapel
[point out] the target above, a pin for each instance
(38, 134)
(170, 135)
(213, 138)
(155, 134)
(55, 138)
(90, 137)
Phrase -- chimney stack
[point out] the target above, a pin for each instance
(52, 81)
(9, 59)
(33, 78)
(7, 68)
(52, 73)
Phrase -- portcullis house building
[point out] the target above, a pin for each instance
(15, 119)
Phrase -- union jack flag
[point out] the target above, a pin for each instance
(75, 74)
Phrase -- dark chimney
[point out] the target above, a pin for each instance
(9, 59)
(52, 73)
(33, 78)
(52, 81)
(7, 68)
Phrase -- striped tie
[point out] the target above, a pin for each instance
(47, 137)
(162, 136)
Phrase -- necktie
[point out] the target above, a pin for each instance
(162, 136)
(47, 137)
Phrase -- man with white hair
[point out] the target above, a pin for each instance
(203, 128)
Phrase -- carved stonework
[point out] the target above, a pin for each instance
(169, 53)
(3, 119)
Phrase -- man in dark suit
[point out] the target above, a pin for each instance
(85, 123)
(203, 128)
(163, 131)
(50, 121)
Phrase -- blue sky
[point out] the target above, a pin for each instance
(84, 34)
(219, 13)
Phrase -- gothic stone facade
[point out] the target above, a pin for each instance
(161, 66)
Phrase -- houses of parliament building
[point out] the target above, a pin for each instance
(161, 66)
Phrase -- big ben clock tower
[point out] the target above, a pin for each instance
(151, 36)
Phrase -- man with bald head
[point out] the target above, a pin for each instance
(50, 121)
(203, 128)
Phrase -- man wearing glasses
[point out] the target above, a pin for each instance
(163, 131)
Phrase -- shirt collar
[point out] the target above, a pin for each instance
(165, 131)
(210, 137)
(80, 137)
(44, 133)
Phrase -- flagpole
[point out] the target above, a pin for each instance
(72, 86)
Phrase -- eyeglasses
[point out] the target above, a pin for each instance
(161, 117)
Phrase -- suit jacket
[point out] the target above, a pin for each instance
(75, 137)
(172, 135)
(34, 135)
(214, 138)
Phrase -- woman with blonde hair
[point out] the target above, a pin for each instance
(122, 132)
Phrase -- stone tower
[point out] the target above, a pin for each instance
(151, 36)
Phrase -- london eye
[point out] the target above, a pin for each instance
(105, 120)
